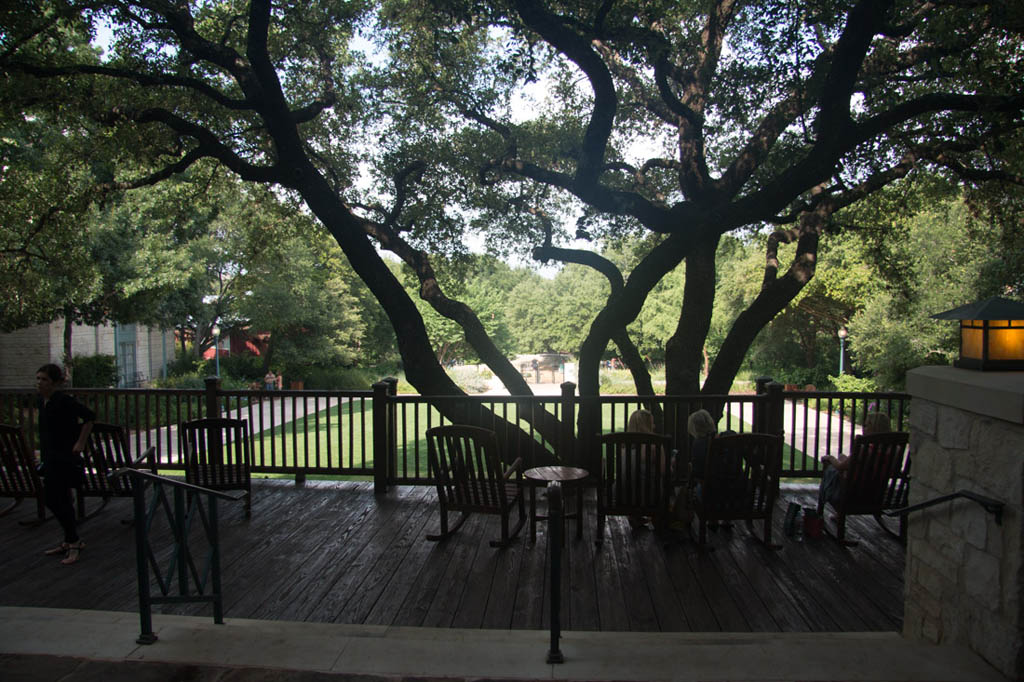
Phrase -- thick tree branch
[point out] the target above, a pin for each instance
(209, 145)
(628, 351)
(578, 49)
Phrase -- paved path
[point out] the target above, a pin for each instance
(39, 645)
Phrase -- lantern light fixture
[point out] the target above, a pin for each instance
(991, 334)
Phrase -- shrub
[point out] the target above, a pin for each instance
(848, 383)
(184, 363)
(340, 379)
(616, 382)
(470, 379)
(242, 366)
(95, 371)
(181, 381)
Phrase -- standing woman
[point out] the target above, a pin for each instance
(64, 427)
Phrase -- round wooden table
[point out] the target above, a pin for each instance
(543, 476)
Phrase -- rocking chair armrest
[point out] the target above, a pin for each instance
(149, 457)
(515, 467)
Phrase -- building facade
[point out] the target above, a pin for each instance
(142, 352)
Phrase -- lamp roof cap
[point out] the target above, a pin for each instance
(995, 308)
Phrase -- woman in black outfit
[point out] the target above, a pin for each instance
(64, 427)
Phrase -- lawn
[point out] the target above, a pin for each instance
(345, 432)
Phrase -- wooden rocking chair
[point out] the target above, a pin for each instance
(741, 482)
(19, 478)
(106, 451)
(470, 478)
(634, 478)
(877, 479)
(218, 455)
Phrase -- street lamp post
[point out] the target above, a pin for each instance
(216, 349)
(842, 347)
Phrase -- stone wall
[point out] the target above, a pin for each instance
(964, 572)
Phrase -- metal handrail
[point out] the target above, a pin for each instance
(994, 507)
(182, 562)
(173, 482)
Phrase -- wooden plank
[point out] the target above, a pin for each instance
(582, 586)
(667, 608)
(404, 548)
(723, 606)
(479, 577)
(335, 552)
(611, 602)
(439, 611)
(629, 543)
(777, 597)
(318, 575)
(532, 590)
(302, 560)
(411, 575)
(501, 603)
(692, 601)
(359, 562)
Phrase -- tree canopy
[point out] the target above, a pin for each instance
(408, 125)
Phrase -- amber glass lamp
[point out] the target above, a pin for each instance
(991, 334)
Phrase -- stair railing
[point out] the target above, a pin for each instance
(198, 576)
(994, 507)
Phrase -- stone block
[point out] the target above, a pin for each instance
(935, 584)
(954, 622)
(982, 579)
(924, 418)
(919, 492)
(970, 522)
(932, 466)
(954, 428)
(912, 620)
(931, 631)
(948, 567)
(996, 467)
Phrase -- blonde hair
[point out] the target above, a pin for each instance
(701, 424)
(876, 422)
(641, 421)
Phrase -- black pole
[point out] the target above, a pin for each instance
(556, 533)
(147, 636)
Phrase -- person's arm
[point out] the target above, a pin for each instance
(83, 438)
(88, 417)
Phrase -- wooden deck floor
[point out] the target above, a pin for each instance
(332, 552)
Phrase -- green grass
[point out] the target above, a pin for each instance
(357, 429)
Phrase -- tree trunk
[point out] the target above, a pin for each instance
(69, 359)
(776, 294)
(684, 352)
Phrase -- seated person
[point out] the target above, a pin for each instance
(828, 491)
(701, 426)
(640, 421)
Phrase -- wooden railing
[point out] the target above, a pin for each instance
(381, 435)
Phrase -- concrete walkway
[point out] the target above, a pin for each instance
(78, 645)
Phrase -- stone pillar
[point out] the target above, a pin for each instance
(964, 572)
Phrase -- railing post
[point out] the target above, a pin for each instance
(212, 397)
(774, 413)
(760, 388)
(382, 436)
(566, 451)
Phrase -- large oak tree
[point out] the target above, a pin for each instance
(676, 121)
